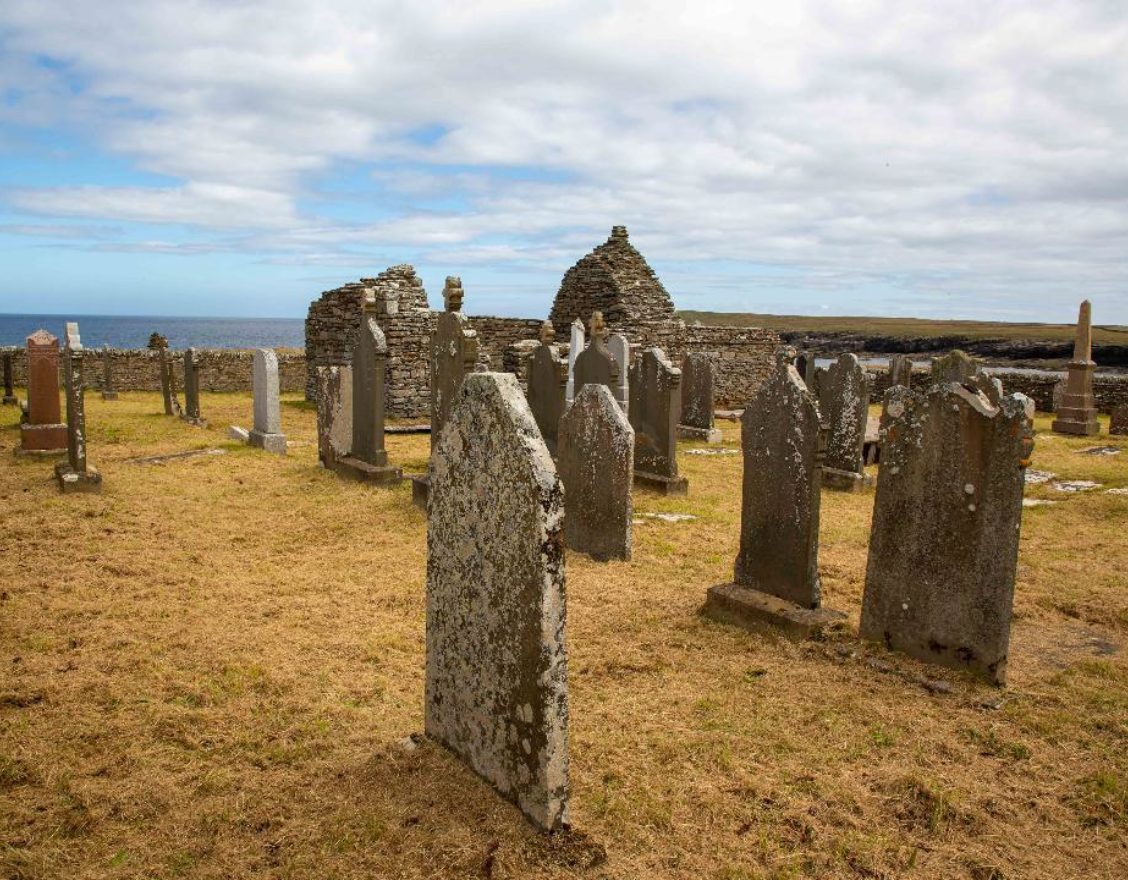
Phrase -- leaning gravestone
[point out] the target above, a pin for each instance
(900, 370)
(334, 413)
(108, 391)
(655, 401)
(192, 389)
(9, 391)
(944, 542)
(843, 391)
(267, 432)
(75, 474)
(956, 366)
(596, 461)
(575, 346)
(43, 431)
(776, 577)
(1118, 421)
(497, 681)
(696, 422)
(546, 386)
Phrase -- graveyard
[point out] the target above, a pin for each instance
(216, 667)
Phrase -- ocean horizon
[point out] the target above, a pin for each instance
(133, 331)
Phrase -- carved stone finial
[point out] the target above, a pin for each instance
(547, 333)
(597, 328)
(452, 294)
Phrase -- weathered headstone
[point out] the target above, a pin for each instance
(367, 460)
(74, 474)
(192, 389)
(804, 362)
(1057, 395)
(9, 391)
(334, 413)
(546, 386)
(843, 391)
(776, 576)
(696, 422)
(956, 366)
(944, 542)
(595, 365)
(655, 401)
(1078, 411)
(267, 432)
(43, 431)
(108, 390)
(497, 681)
(1118, 421)
(900, 370)
(596, 461)
(620, 348)
(575, 346)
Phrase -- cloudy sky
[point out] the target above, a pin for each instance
(955, 159)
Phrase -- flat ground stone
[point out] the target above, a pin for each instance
(1034, 478)
(1074, 485)
(496, 682)
(1101, 450)
(667, 517)
(712, 452)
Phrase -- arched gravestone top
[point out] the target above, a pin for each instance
(546, 386)
(595, 365)
(496, 684)
(843, 395)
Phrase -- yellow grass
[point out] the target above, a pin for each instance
(208, 671)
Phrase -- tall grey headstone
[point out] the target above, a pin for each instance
(696, 420)
(497, 684)
(956, 366)
(334, 413)
(843, 391)
(575, 346)
(595, 365)
(900, 370)
(192, 388)
(596, 461)
(944, 541)
(9, 391)
(267, 432)
(620, 349)
(776, 579)
(655, 402)
(75, 474)
(546, 386)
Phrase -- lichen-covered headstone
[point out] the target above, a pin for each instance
(804, 362)
(696, 421)
(655, 401)
(9, 391)
(843, 391)
(159, 344)
(192, 388)
(596, 461)
(267, 432)
(43, 431)
(334, 413)
(74, 474)
(944, 541)
(900, 370)
(546, 386)
(575, 346)
(956, 366)
(108, 390)
(1078, 411)
(496, 685)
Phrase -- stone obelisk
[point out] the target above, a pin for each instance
(1078, 411)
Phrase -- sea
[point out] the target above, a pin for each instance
(133, 331)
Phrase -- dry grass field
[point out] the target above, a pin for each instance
(211, 671)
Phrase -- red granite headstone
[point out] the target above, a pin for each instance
(44, 431)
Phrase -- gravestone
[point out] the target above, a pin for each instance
(805, 366)
(1118, 421)
(843, 391)
(192, 389)
(944, 542)
(696, 421)
(575, 346)
(159, 344)
(546, 386)
(655, 401)
(776, 575)
(900, 370)
(334, 413)
(956, 366)
(1058, 395)
(620, 349)
(108, 391)
(367, 460)
(497, 684)
(595, 365)
(1078, 411)
(9, 391)
(267, 432)
(74, 474)
(43, 431)
(454, 354)
(596, 461)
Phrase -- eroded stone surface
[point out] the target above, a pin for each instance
(546, 386)
(74, 474)
(956, 366)
(596, 461)
(843, 395)
(697, 391)
(944, 541)
(334, 413)
(496, 686)
(655, 402)
(454, 353)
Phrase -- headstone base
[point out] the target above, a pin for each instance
(754, 611)
(703, 435)
(420, 490)
(363, 472)
(109, 395)
(73, 481)
(660, 484)
(45, 439)
(1080, 422)
(275, 443)
(11, 400)
(845, 481)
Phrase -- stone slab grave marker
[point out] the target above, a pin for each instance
(1058, 395)
(655, 401)
(43, 432)
(575, 346)
(843, 391)
(1118, 421)
(108, 390)
(159, 344)
(546, 386)
(596, 461)
(900, 370)
(9, 391)
(944, 542)
(596, 365)
(696, 421)
(334, 413)
(454, 354)
(75, 474)
(367, 460)
(192, 389)
(805, 366)
(267, 432)
(956, 366)
(496, 689)
(1078, 411)
(776, 575)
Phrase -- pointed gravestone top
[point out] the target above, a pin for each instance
(1083, 343)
